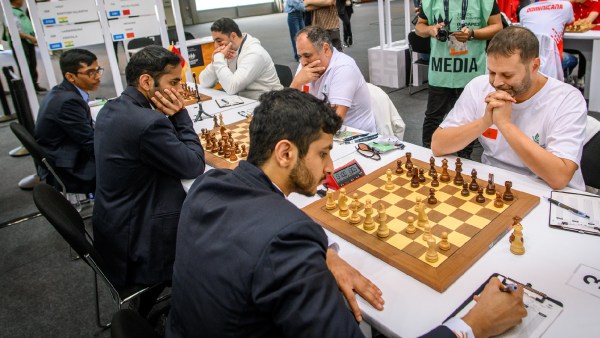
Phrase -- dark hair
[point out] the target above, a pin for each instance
(74, 59)
(292, 115)
(226, 26)
(513, 40)
(317, 35)
(152, 60)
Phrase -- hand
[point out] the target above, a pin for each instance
(435, 28)
(169, 103)
(500, 104)
(224, 49)
(495, 311)
(33, 40)
(350, 280)
(309, 73)
(228, 52)
(462, 35)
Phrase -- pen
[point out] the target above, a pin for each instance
(224, 101)
(366, 138)
(571, 209)
(509, 288)
(353, 137)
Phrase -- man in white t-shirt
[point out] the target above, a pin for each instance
(326, 73)
(548, 18)
(239, 63)
(525, 121)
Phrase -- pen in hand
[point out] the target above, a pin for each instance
(571, 209)
(509, 288)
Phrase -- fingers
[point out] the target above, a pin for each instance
(499, 95)
(351, 298)
(168, 103)
(370, 292)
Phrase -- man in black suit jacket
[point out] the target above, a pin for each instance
(64, 128)
(145, 144)
(251, 264)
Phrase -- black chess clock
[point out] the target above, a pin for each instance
(343, 175)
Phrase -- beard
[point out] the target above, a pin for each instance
(302, 181)
(522, 88)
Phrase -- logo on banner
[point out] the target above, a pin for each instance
(57, 45)
(118, 37)
(63, 19)
(126, 12)
(130, 35)
(50, 21)
(114, 13)
(69, 44)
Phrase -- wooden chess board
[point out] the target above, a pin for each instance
(472, 227)
(240, 133)
(191, 99)
(579, 26)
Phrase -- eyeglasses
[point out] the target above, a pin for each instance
(368, 151)
(93, 72)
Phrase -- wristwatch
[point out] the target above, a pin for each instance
(471, 34)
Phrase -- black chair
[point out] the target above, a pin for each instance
(590, 162)
(18, 93)
(172, 34)
(69, 224)
(127, 323)
(419, 45)
(285, 75)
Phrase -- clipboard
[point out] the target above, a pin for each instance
(542, 310)
(559, 218)
(229, 101)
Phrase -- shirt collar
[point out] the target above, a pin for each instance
(86, 96)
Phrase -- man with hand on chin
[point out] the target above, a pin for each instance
(239, 63)
(145, 144)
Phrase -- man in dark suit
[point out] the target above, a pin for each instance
(251, 264)
(145, 144)
(64, 128)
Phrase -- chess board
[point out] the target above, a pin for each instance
(472, 227)
(191, 99)
(240, 133)
(579, 26)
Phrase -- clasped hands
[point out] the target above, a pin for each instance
(169, 103)
(498, 110)
(225, 50)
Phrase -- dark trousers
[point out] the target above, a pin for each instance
(29, 51)
(345, 17)
(582, 63)
(295, 24)
(334, 35)
(147, 300)
(439, 103)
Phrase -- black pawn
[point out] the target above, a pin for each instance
(474, 186)
(480, 198)
(409, 169)
(432, 199)
(399, 169)
(432, 166)
(408, 160)
(414, 181)
(508, 195)
(421, 175)
(465, 190)
(434, 181)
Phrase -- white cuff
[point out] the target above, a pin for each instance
(459, 328)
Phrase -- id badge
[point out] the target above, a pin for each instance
(456, 47)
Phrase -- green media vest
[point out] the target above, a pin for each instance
(24, 22)
(456, 71)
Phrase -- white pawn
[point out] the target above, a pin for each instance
(427, 233)
(355, 218)
(368, 224)
(411, 229)
(382, 230)
(389, 185)
(330, 201)
(431, 256)
(342, 203)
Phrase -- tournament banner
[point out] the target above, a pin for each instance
(75, 35)
(124, 8)
(133, 27)
(67, 12)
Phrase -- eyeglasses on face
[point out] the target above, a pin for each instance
(93, 72)
(368, 151)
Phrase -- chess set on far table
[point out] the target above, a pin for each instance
(432, 228)
(189, 95)
(225, 145)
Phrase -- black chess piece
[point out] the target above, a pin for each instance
(474, 186)
(421, 175)
(480, 198)
(508, 195)
(434, 180)
(465, 190)
(399, 169)
(432, 199)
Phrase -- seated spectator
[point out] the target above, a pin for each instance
(145, 144)
(64, 128)
(328, 74)
(239, 63)
(525, 121)
(251, 264)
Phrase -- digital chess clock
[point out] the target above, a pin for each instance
(343, 175)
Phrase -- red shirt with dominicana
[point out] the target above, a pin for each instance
(583, 9)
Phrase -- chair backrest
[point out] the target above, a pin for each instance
(28, 142)
(285, 75)
(387, 119)
(142, 42)
(66, 220)
(18, 94)
(172, 34)
(550, 63)
(418, 44)
(590, 161)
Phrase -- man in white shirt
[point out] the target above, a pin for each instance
(239, 63)
(328, 74)
(525, 121)
(548, 18)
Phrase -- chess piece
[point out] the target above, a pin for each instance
(498, 201)
(422, 218)
(355, 218)
(421, 175)
(474, 186)
(237, 148)
(244, 153)
(432, 199)
(368, 223)
(232, 156)
(330, 205)
(458, 164)
(465, 190)
(431, 256)
(480, 198)
(411, 229)
(342, 203)
(215, 121)
(389, 185)
(516, 246)
(409, 170)
(458, 179)
(445, 176)
(516, 223)
(399, 169)
(409, 161)
(427, 232)
(432, 166)
(249, 117)
(508, 195)
(215, 145)
(491, 186)
(434, 180)
(221, 150)
(223, 130)
(444, 244)
(226, 151)
(382, 230)
(221, 120)
(414, 181)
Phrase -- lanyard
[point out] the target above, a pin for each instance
(463, 13)
(239, 51)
